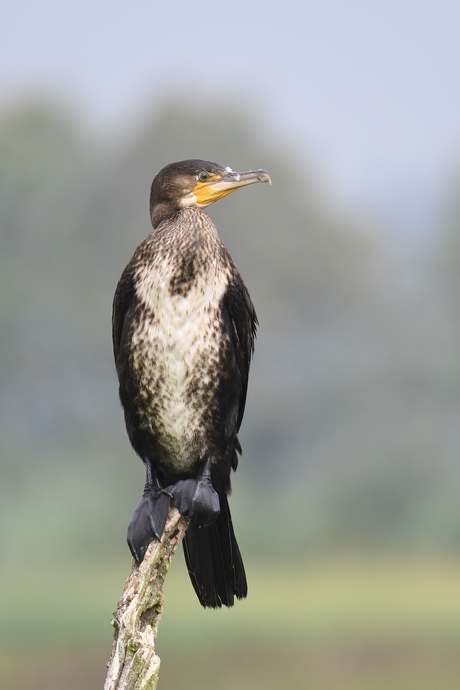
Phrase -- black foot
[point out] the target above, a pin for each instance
(149, 518)
(197, 497)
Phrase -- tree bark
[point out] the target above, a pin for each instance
(133, 664)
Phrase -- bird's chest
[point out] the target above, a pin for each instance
(176, 353)
(181, 325)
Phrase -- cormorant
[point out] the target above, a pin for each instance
(183, 335)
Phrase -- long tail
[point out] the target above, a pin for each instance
(214, 561)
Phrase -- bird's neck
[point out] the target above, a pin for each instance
(188, 226)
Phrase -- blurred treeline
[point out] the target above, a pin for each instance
(351, 436)
(352, 425)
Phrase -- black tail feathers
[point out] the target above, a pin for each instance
(214, 561)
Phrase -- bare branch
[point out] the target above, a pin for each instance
(133, 664)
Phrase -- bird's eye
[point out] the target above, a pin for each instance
(203, 176)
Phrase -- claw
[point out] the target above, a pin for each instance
(149, 518)
(197, 498)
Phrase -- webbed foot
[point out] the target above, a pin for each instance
(149, 518)
(197, 497)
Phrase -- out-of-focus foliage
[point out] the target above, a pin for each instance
(352, 418)
(359, 622)
(350, 437)
(447, 252)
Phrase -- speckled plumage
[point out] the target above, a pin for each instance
(183, 335)
(181, 386)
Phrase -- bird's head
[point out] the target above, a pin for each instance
(195, 183)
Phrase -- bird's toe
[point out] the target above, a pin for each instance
(147, 523)
(197, 499)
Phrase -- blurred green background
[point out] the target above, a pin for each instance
(346, 501)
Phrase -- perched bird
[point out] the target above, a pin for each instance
(183, 336)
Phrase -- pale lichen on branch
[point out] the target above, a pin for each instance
(133, 664)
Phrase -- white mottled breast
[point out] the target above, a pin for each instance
(175, 355)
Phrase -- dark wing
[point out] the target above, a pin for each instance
(244, 326)
(121, 302)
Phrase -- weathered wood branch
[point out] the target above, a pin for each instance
(133, 664)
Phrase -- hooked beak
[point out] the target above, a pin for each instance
(216, 188)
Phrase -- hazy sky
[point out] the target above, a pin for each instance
(369, 87)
